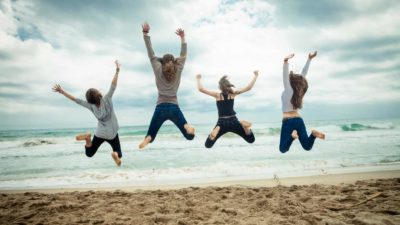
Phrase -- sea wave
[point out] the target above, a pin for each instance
(362, 127)
(37, 142)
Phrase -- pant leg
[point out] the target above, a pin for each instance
(236, 127)
(96, 142)
(176, 116)
(116, 146)
(306, 141)
(286, 139)
(159, 117)
(210, 143)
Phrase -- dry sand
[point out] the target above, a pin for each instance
(374, 201)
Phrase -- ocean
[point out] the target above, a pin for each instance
(52, 158)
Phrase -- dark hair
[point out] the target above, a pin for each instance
(93, 96)
(225, 85)
(300, 86)
(168, 70)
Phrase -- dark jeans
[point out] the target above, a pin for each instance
(167, 111)
(233, 125)
(96, 142)
(288, 126)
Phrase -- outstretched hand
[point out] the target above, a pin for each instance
(145, 27)
(58, 88)
(180, 32)
(288, 57)
(312, 54)
(198, 76)
(255, 72)
(117, 64)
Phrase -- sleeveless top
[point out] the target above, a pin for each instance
(225, 106)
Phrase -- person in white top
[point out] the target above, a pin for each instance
(295, 87)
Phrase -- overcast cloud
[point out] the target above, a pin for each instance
(74, 43)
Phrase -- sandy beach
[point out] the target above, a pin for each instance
(358, 198)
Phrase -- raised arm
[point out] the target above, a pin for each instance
(150, 52)
(181, 33)
(58, 88)
(203, 90)
(311, 55)
(114, 80)
(182, 57)
(286, 82)
(250, 85)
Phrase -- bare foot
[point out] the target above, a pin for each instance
(246, 126)
(214, 132)
(189, 129)
(81, 137)
(117, 161)
(87, 137)
(295, 135)
(318, 134)
(145, 142)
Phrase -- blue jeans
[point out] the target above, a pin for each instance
(167, 111)
(288, 126)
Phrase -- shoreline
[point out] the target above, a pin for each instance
(322, 179)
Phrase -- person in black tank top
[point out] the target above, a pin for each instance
(227, 121)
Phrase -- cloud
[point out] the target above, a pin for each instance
(75, 43)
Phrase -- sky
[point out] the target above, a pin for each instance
(74, 43)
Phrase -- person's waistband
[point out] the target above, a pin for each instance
(289, 118)
(226, 117)
(166, 104)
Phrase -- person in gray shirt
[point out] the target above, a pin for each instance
(167, 71)
(103, 110)
(293, 127)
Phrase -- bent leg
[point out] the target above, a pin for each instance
(211, 141)
(286, 139)
(242, 129)
(179, 120)
(116, 147)
(246, 126)
(156, 121)
(215, 132)
(91, 150)
(306, 141)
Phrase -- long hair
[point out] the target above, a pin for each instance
(299, 85)
(225, 85)
(93, 96)
(169, 69)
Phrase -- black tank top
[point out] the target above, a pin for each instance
(225, 106)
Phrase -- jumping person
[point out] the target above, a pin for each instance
(167, 71)
(103, 110)
(227, 120)
(295, 87)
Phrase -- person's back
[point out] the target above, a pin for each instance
(167, 71)
(103, 110)
(225, 106)
(167, 87)
(107, 125)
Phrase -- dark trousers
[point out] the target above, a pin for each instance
(167, 111)
(233, 125)
(288, 126)
(96, 142)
